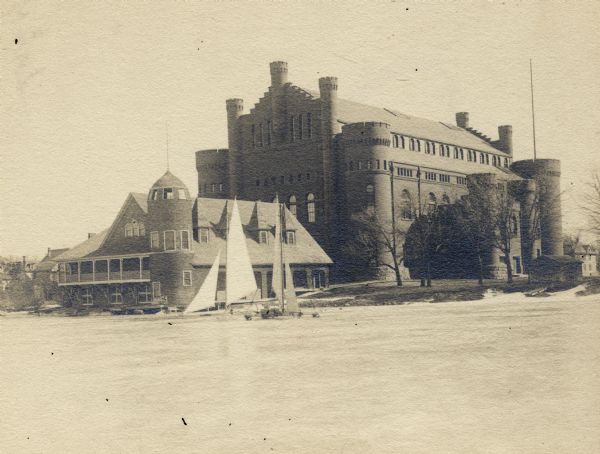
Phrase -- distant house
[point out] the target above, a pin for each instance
(45, 275)
(589, 259)
(553, 269)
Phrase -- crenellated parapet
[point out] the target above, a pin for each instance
(367, 133)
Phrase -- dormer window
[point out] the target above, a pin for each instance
(290, 237)
(154, 194)
(168, 194)
(263, 237)
(203, 235)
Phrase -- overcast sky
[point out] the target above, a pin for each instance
(86, 91)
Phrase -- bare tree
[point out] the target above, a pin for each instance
(592, 203)
(571, 242)
(376, 242)
(475, 220)
(424, 240)
(494, 205)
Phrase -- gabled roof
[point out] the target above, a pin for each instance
(139, 199)
(305, 251)
(401, 123)
(84, 249)
(49, 261)
(142, 200)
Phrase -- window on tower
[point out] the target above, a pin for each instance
(185, 239)
(168, 194)
(310, 207)
(169, 240)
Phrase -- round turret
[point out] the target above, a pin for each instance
(170, 210)
(171, 243)
(546, 174)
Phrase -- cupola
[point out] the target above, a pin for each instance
(169, 187)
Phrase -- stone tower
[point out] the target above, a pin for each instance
(235, 108)
(546, 175)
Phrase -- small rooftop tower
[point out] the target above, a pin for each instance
(171, 243)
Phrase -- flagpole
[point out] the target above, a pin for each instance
(532, 108)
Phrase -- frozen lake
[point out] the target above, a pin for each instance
(493, 376)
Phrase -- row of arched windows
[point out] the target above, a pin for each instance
(407, 207)
(311, 211)
(135, 228)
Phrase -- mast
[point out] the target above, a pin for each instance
(532, 107)
(282, 277)
(226, 245)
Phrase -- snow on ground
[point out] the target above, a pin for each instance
(507, 374)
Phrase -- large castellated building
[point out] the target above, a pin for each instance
(328, 158)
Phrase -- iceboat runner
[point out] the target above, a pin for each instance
(240, 284)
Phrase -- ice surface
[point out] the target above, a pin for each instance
(508, 374)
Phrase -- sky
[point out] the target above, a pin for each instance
(87, 90)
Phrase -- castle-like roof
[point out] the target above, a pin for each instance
(401, 123)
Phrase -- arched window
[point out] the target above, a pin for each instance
(310, 207)
(292, 205)
(370, 196)
(396, 141)
(405, 205)
(431, 202)
(445, 199)
(128, 229)
(135, 228)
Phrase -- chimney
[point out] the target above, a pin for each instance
(505, 138)
(462, 119)
(49, 251)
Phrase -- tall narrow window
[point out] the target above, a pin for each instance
(269, 130)
(291, 129)
(169, 240)
(203, 235)
(309, 125)
(431, 202)
(187, 278)
(293, 207)
(263, 237)
(396, 141)
(310, 207)
(154, 240)
(300, 126)
(290, 237)
(405, 205)
(185, 239)
(156, 290)
(260, 135)
(253, 133)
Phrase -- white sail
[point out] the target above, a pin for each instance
(277, 282)
(240, 279)
(206, 296)
(291, 302)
